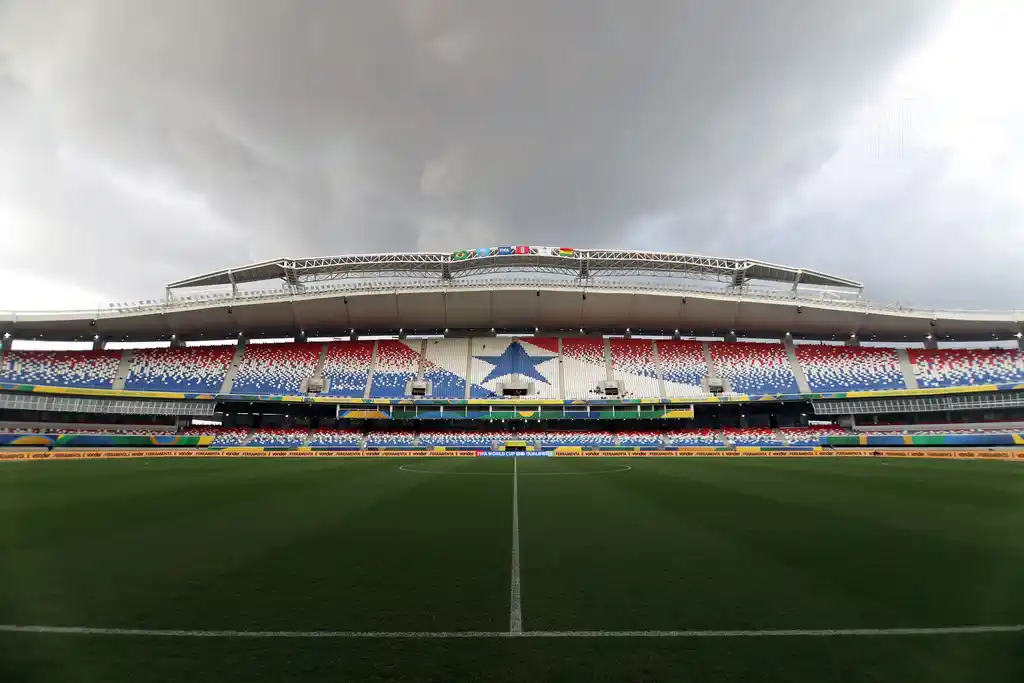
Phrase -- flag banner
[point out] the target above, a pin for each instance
(483, 251)
(523, 250)
(506, 251)
(463, 254)
(565, 251)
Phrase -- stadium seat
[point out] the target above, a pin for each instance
(340, 438)
(496, 361)
(397, 364)
(693, 437)
(224, 437)
(390, 439)
(583, 368)
(189, 369)
(752, 436)
(444, 366)
(464, 439)
(84, 369)
(570, 438)
(850, 368)
(633, 363)
(754, 367)
(640, 438)
(276, 369)
(810, 436)
(281, 438)
(965, 367)
(683, 368)
(347, 367)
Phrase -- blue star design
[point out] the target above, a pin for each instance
(514, 361)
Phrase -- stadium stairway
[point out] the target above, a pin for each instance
(907, 368)
(123, 369)
(659, 370)
(794, 363)
(319, 371)
(561, 372)
(369, 373)
(229, 378)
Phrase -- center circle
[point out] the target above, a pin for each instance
(618, 468)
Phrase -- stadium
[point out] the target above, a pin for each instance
(716, 454)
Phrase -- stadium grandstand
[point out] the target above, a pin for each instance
(515, 347)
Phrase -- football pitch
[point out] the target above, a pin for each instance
(502, 569)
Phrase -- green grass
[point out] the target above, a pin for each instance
(357, 544)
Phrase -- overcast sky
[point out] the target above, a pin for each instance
(144, 141)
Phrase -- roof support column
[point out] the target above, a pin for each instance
(931, 342)
(6, 341)
(1020, 342)
(99, 343)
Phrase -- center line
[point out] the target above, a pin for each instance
(516, 605)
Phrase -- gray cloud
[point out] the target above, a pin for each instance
(145, 141)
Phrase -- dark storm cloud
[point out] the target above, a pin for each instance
(172, 138)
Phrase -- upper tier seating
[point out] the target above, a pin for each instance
(694, 437)
(570, 438)
(683, 368)
(86, 369)
(810, 436)
(583, 367)
(199, 369)
(347, 367)
(754, 367)
(276, 369)
(640, 438)
(326, 436)
(633, 363)
(497, 360)
(397, 364)
(282, 438)
(752, 436)
(444, 366)
(963, 367)
(750, 367)
(390, 439)
(462, 438)
(850, 368)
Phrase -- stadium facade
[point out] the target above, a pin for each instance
(518, 347)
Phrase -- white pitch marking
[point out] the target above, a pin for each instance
(407, 468)
(427, 635)
(515, 618)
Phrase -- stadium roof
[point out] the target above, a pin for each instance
(517, 306)
(580, 263)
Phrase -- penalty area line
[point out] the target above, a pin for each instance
(440, 635)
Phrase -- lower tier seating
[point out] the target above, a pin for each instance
(391, 439)
(752, 436)
(693, 437)
(340, 438)
(283, 438)
(810, 436)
